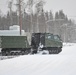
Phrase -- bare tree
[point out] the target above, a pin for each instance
(39, 10)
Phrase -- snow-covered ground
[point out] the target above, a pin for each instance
(57, 64)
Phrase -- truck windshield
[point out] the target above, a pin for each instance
(56, 38)
(49, 36)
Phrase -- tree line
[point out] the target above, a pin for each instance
(58, 24)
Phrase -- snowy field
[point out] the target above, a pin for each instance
(57, 64)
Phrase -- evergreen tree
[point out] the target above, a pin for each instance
(27, 22)
(0, 22)
(47, 15)
(8, 20)
(50, 15)
(56, 15)
(61, 14)
(14, 18)
(42, 24)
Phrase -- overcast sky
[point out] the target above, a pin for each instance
(68, 6)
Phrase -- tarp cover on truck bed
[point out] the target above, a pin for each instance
(13, 42)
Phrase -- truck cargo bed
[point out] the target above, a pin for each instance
(13, 42)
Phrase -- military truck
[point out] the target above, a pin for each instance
(46, 41)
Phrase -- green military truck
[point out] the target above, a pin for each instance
(46, 41)
(20, 45)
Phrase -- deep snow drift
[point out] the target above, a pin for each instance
(58, 64)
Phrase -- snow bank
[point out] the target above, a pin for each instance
(69, 49)
(14, 27)
(68, 44)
